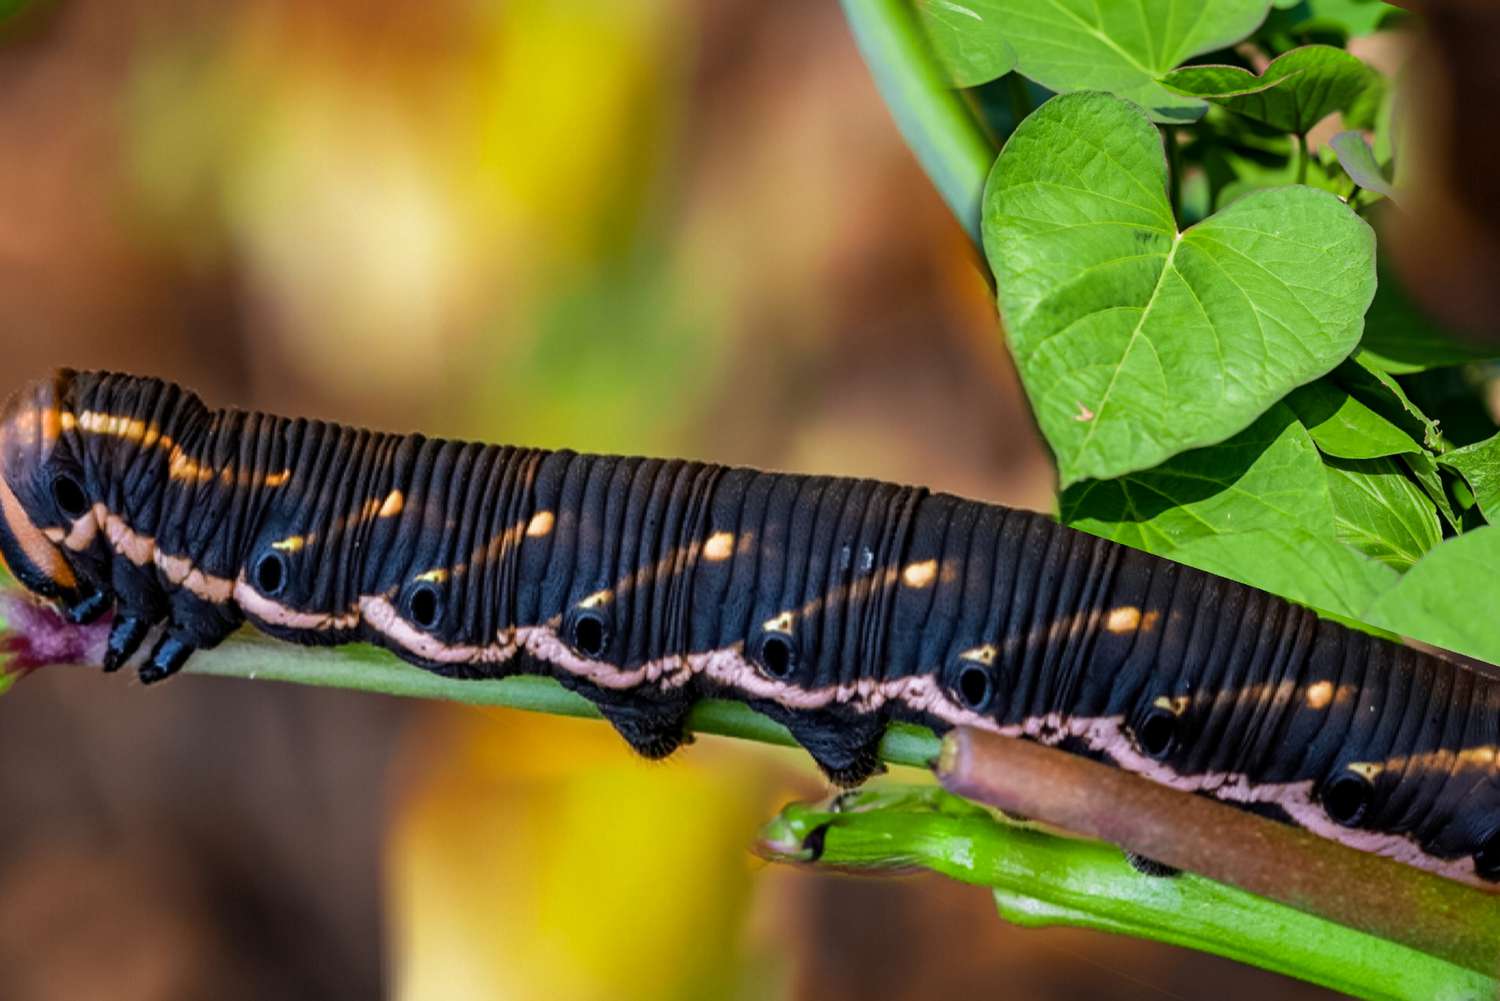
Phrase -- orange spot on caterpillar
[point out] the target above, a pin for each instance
(394, 503)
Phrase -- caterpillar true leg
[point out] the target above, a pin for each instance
(126, 634)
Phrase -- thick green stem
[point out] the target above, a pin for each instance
(937, 124)
(1041, 879)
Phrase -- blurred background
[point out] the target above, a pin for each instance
(663, 226)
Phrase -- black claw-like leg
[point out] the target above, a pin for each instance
(87, 606)
(166, 660)
(125, 638)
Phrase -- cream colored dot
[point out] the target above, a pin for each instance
(1176, 705)
(780, 624)
(597, 598)
(1319, 695)
(980, 654)
(540, 524)
(919, 574)
(719, 546)
(394, 503)
(1122, 619)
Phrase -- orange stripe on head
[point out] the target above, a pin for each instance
(32, 544)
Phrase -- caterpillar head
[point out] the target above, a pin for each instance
(43, 500)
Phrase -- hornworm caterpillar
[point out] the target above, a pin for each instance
(831, 605)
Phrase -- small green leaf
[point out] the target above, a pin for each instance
(1313, 570)
(1479, 465)
(1345, 428)
(969, 39)
(1400, 338)
(1364, 380)
(1349, 18)
(1358, 161)
(1123, 46)
(1380, 512)
(1448, 598)
(1425, 471)
(1297, 90)
(1134, 341)
(1268, 477)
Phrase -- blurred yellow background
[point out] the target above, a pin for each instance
(660, 226)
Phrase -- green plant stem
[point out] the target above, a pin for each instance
(1041, 879)
(937, 124)
(251, 655)
(1304, 153)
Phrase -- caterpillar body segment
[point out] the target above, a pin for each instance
(832, 605)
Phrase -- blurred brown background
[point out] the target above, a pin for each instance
(663, 226)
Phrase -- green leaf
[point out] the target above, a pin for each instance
(1448, 598)
(1364, 380)
(1256, 509)
(1122, 46)
(1479, 465)
(1296, 91)
(1358, 161)
(1425, 471)
(969, 40)
(1314, 570)
(1400, 338)
(1268, 477)
(1380, 512)
(1349, 18)
(1345, 428)
(1136, 342)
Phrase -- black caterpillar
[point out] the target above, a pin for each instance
(831, 605)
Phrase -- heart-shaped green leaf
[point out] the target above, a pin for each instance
(1136, 342)
(1297, 90)
(1121, 46)
(969, 40)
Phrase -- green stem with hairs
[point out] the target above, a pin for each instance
(935, 120)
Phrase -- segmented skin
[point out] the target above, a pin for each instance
(832, 605)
